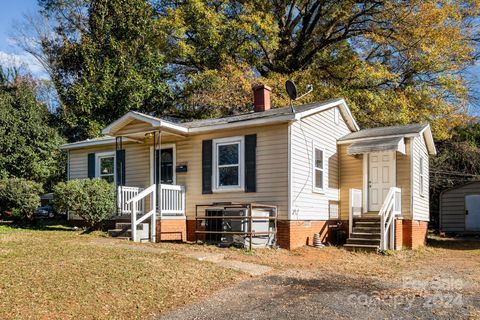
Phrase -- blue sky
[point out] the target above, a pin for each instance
(12, 11)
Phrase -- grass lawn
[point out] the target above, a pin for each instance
(60, 274)
(57, 273)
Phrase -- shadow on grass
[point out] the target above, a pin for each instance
(457, 243)
(53, 224)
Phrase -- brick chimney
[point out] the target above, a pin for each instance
(261, 98)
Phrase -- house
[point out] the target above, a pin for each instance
(460, 209)
(312, 162)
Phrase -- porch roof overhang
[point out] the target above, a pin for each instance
(153, 124)
(377, 145)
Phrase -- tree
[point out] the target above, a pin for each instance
(395, 61)
(29, 144)
(104, 60)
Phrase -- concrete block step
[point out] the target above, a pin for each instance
(128, 225)
(363, 247)
(120, 233)
(362, 241)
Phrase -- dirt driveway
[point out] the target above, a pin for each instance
(441, 282)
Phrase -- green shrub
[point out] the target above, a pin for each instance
(92, 199)
(20, 196)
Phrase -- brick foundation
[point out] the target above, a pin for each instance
(172, 230)
(295, 234)
(291, 234)
(398, 234)
(410, 234)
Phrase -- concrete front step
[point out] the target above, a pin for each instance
(362, 247)
(128, 225)
(123, 230)
(362, 241)
(120, 233)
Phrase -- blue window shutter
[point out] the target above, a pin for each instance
(120, 165)
(207, 167)
(91, 165)
(251, 163)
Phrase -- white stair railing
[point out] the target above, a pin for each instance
(124, 194)
(152, 192)
(172, 200)
(355, 207)
(391, 207)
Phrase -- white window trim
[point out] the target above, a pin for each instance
(241, 176)
(314, 168)
(108, 154)
(421, 171)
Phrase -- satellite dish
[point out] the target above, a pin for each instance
(291, 90)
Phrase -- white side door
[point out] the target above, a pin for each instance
(381, 177)
(472, 212)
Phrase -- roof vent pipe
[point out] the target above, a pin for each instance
(261, 98)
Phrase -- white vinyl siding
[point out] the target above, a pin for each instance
(421, 205)
(316, 130)
(271, 169)
(137, 163)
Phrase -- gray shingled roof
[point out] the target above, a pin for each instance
(277, 112)
(385, 131)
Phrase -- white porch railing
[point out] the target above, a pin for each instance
(355, 207)
(124, 194)
(172, 200)
(391, 207)
(152, 192)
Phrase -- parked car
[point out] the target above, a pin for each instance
(46, 211)
(6, 214)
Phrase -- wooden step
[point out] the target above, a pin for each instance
(366, 229)
(367, 224)
(362, 247)
(366, 235)
(362, 241)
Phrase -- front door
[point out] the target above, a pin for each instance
(472, 212)
(165, 166)
(381, 177)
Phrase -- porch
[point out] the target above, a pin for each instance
(376, 189)
(148, 197)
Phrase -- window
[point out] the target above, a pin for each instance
(106, 166)
(228, 164)
(336, 115)
(422, 177)
(318, 169)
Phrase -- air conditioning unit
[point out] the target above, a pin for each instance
(231, 222)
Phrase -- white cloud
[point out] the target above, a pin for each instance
(23, 60)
